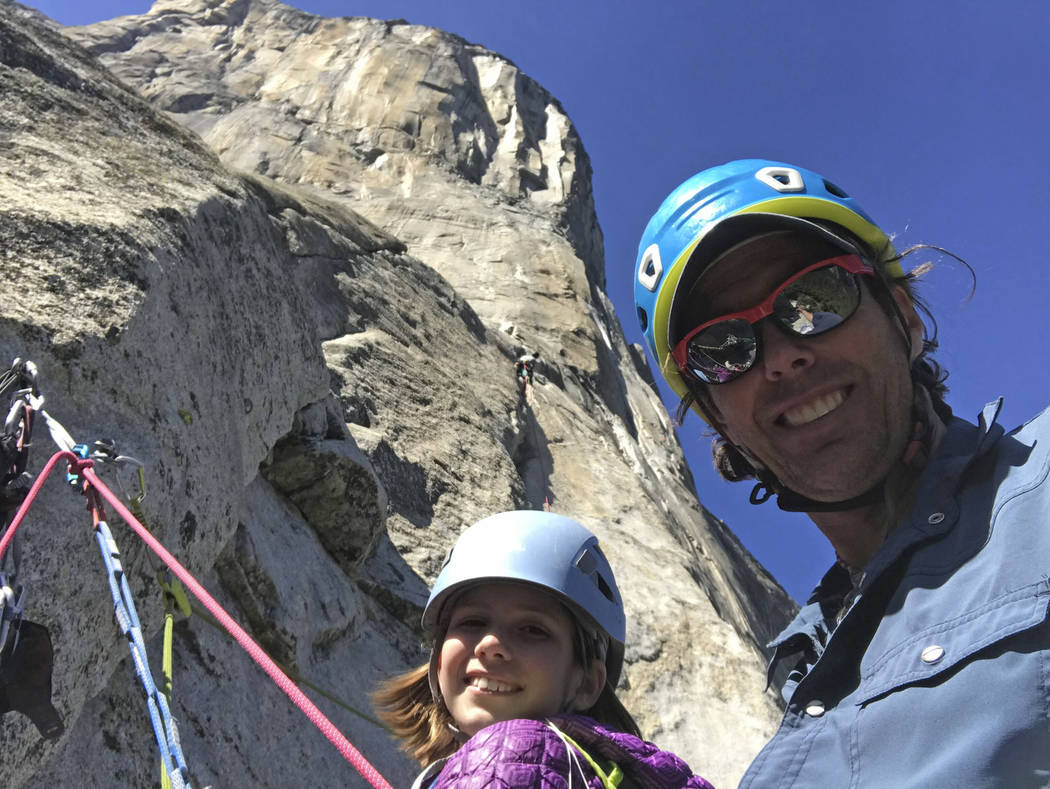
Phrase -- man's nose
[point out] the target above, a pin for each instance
(783, 353)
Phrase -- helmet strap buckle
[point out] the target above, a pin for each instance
(761, 493)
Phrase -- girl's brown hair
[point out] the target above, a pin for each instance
(424, 727)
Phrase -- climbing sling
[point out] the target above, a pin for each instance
(610, 775)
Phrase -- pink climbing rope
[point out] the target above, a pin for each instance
(82, 467)
(9, 535)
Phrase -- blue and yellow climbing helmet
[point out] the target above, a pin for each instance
(718, 208)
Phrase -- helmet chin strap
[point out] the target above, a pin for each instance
(790, 501)
(915, 455)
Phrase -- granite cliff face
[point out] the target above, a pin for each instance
(305, 326)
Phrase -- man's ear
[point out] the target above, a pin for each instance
(911, 318)
(590, 687)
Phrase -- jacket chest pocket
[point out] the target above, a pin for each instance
(969, 694)
(941, 648)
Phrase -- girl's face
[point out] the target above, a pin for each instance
(508, 653)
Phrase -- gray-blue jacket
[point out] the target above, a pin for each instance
(939, 673)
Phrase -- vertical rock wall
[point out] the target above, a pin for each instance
(310, 343)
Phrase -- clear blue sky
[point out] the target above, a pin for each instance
(933, 114)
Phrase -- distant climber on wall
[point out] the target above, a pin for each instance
(782, 315)
(527, 635)
(525, 368)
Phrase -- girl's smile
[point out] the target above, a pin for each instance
(490, 685)
(508, 653)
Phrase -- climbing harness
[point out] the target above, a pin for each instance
(81, 461)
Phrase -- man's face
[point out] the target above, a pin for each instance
(830, 414)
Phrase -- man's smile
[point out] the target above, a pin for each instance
(814, 409)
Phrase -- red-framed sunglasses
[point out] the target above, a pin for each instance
(812, 301)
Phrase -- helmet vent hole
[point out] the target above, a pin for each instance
(586, 563)
(781, 179)
(650, 268)
(835, 190)
(589, 564)
(643, 319)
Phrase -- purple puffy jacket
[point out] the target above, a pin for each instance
(528, 753)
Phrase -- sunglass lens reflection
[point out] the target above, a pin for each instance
(817, 302)
(723, 351)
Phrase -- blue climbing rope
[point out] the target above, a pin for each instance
(164, 728)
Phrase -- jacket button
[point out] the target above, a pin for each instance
(815, 708)
(932, 654)
(935, 518)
